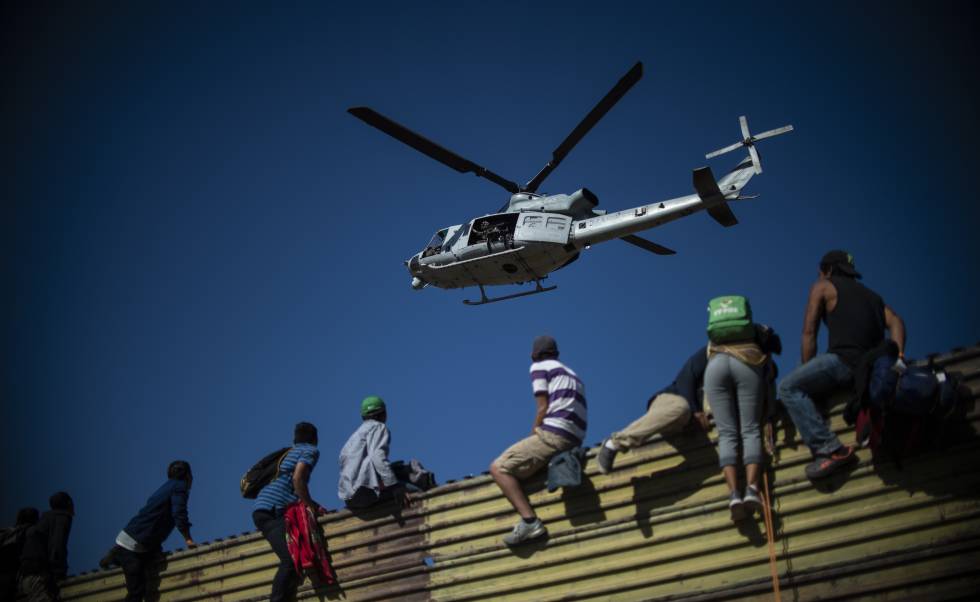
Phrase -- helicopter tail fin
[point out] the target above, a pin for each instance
(710, 194)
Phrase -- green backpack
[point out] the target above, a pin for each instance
(730, 319)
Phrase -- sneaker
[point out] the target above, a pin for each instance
(736, 507)
(525, 532)
(605, 458)
(824, 466)
(751, 501)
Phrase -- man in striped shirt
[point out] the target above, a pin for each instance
(559, 424)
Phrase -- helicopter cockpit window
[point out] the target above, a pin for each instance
(435, 244)
(451, 241)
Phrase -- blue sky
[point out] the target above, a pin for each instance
(201, 247)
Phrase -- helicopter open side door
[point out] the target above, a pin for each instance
(533, 226)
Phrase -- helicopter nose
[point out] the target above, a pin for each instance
(418, 283)
(414, 266)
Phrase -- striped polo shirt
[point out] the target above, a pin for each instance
(566, 415)
(279, 493)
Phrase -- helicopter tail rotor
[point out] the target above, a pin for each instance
(748, 141)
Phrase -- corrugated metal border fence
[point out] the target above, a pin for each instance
(657, 528)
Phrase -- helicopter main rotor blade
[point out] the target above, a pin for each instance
(598, 112)
(430, 148)
(647, 245)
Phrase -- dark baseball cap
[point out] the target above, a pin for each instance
(544, 345)
(842, 260)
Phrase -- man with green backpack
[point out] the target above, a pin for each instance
(856, 319)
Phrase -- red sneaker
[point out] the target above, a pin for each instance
(824, 466)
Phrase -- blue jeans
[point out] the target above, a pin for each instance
(820, 377)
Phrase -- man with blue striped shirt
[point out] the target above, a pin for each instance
(559, 424)
(291, 484)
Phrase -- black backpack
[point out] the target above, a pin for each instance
(913, 411)
(263, 473)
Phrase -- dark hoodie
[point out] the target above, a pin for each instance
(46, 546)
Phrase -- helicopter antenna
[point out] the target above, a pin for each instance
(598, 112)
(430, 148)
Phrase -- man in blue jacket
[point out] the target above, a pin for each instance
(142, 538)
(668, 411)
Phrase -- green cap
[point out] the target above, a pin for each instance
(371, 404)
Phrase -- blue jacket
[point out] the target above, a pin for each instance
(166, 509)
(689, 383)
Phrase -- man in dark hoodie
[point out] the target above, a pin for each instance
(11, 545)
(141, 539)
(44, 558)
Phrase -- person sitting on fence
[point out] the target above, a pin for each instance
(366, 474)
(559, 424)
(856, 318)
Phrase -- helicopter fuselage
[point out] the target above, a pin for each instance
(526, 245)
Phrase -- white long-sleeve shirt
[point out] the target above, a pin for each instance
(364, 460)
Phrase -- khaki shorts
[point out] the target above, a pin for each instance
(530, 455)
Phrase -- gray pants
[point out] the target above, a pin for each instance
(734, 391)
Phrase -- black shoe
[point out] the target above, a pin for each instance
(824, 466)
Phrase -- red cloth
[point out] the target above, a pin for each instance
(307, 544)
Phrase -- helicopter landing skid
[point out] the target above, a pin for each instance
(484, 299)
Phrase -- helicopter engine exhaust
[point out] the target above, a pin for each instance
(583, 197)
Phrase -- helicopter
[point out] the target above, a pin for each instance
(534, 234)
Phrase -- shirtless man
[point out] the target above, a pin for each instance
(856, 319)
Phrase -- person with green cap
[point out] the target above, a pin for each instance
(366, 476)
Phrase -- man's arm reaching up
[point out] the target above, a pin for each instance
(811, 320)
(896, 328)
